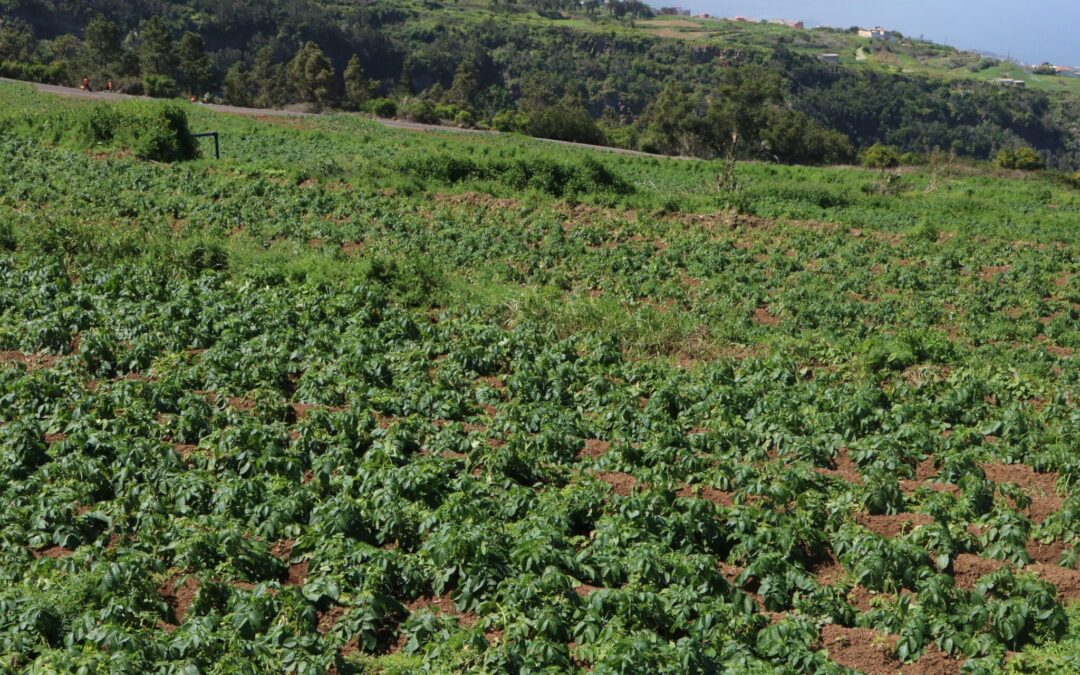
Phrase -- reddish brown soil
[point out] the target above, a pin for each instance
(493, 382)
(689, 281)
(1067, 581)
(330, 617)
(444, 605)
(893, 526)
(53, 552)
(933, 662)
(988, 273)
(489, 410)
(185, 450)
(911, 486)
(1038, 486)
(298, 573)
(179, 596)
(585, 589)
(242, 404)
(302, 410)
(968, 568)
(713, 495)
(828, 571)
(478, 200)
(594, 448)
(54, 438)
(925, 470)
(449, 454)
(860, 649)
(1048, 554)
(31, 361)
(621, 483)
(282, 550)
(845, 468)
(764, 317)
(862, 598)
(1060, 352)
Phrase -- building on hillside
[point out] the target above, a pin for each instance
(1009, 82)
(830, 58)
(797, 25)
(878, 34)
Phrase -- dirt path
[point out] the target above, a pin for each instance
(268, 112)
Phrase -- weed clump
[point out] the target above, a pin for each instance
(544, 174)
(151, 131)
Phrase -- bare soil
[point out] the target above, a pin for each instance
(713, 495)
(764, 317)
(621, 483)
(861, 649)
(893, 526)
(444, 605)
(1038, 486)
(968, 568)
(594, 448)
(298, 573)
(31, 361)
(843, 467)
(179, 596)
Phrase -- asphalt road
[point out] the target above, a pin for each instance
(268, 112)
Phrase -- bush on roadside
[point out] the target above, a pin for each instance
(382, 107)
(1022, 159)
(880, 157)
(160, 86)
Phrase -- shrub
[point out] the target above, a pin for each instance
(1023, 159)
(464, 118)
(913, 159)
(417, 110)
(157, 132)
(150, 130)
(159, 86)
(880, 157)
(382, 107)
(509, 120)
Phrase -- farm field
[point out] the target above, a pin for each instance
(354, 399)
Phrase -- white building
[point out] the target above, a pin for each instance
(878, 34)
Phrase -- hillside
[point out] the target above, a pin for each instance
(363, 400)
(661, 84)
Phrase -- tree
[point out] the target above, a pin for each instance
(102, 43)
(235, 87)
(312, 76)
(358, 88)
(195, 67)
(156, 51)
(466, 85)
(266, 80)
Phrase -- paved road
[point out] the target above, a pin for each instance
(266, 112)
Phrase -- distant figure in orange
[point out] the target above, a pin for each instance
(109, 86)
(86, 84)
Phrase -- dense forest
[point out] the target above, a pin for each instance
(619, 87)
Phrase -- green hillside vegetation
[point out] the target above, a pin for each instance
(363, 400)
(614, 75)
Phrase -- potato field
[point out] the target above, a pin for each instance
(355, 400)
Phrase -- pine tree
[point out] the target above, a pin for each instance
(195, 66)
(358, 89)
(102, 42)
(156, 51)
(312, 76)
